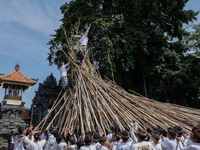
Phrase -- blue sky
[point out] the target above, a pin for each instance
(25, 26)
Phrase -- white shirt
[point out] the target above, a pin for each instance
(114, 145)
(83, 40)
(193, 146)
(94, 146)
(132, 131)
(43, 136)
(73, 146)
(124, 146)
(60, 146)
(169, 144)
(51, 143)
(140, 145)
(19, 145)
(63, 70)
(109, 137)
(163, 139)
(101, 147)
(158, 146)
(36, 146)
(85, 147)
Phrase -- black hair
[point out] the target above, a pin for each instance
(142, 135)
(21, 129)
(156, 134)
(90, 133)
(125, 135)
(3, 148)
(194, 129)
(117, 136)
(172, 132)
(87, 140)
(55, 133)
(96, 137)
(164, 133)
(72, 140)
(37, 136)
(106, 131)
(59, 138)
(114, 128)
(51, 130)
(149, 130)
(178, 128)
(111, 127)
(102, 139)
(80, 143)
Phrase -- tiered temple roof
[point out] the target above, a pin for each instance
(18, 78)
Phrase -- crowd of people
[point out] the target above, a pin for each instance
(134, 138)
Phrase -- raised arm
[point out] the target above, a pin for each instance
(67, 68)
(66, 65)
(86, 33)
(132, 130)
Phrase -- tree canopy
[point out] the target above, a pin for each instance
(144, 41)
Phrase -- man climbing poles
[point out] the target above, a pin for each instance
(83, 41)
(63, 74)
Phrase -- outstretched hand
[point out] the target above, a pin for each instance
(90, 25)
(134, 120)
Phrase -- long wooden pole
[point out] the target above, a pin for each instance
(50, 112)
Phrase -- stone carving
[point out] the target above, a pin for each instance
(12, 116)
(44, 98)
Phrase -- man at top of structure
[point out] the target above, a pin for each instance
(63, 74)
(83, 41)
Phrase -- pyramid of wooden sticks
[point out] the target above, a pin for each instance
(99, 103)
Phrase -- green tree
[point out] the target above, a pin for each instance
(193, 40)
(138, 36)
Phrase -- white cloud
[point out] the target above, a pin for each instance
(26, 26)
(35, 15)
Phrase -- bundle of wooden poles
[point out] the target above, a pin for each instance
(96, 103)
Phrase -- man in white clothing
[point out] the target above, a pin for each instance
(19, 144)
(141, 135)
(60, 145)
(170, 144)
(63, 74)
(115, 140)
(163, 136)
(83, 41)
(195, 145)
(37, 144)
(95, 140)
(156, 137)
(51, 142)
(72, 142)
(133, 128)
(113, 128)
(126, 144)
(87, 141)
(105, 145)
